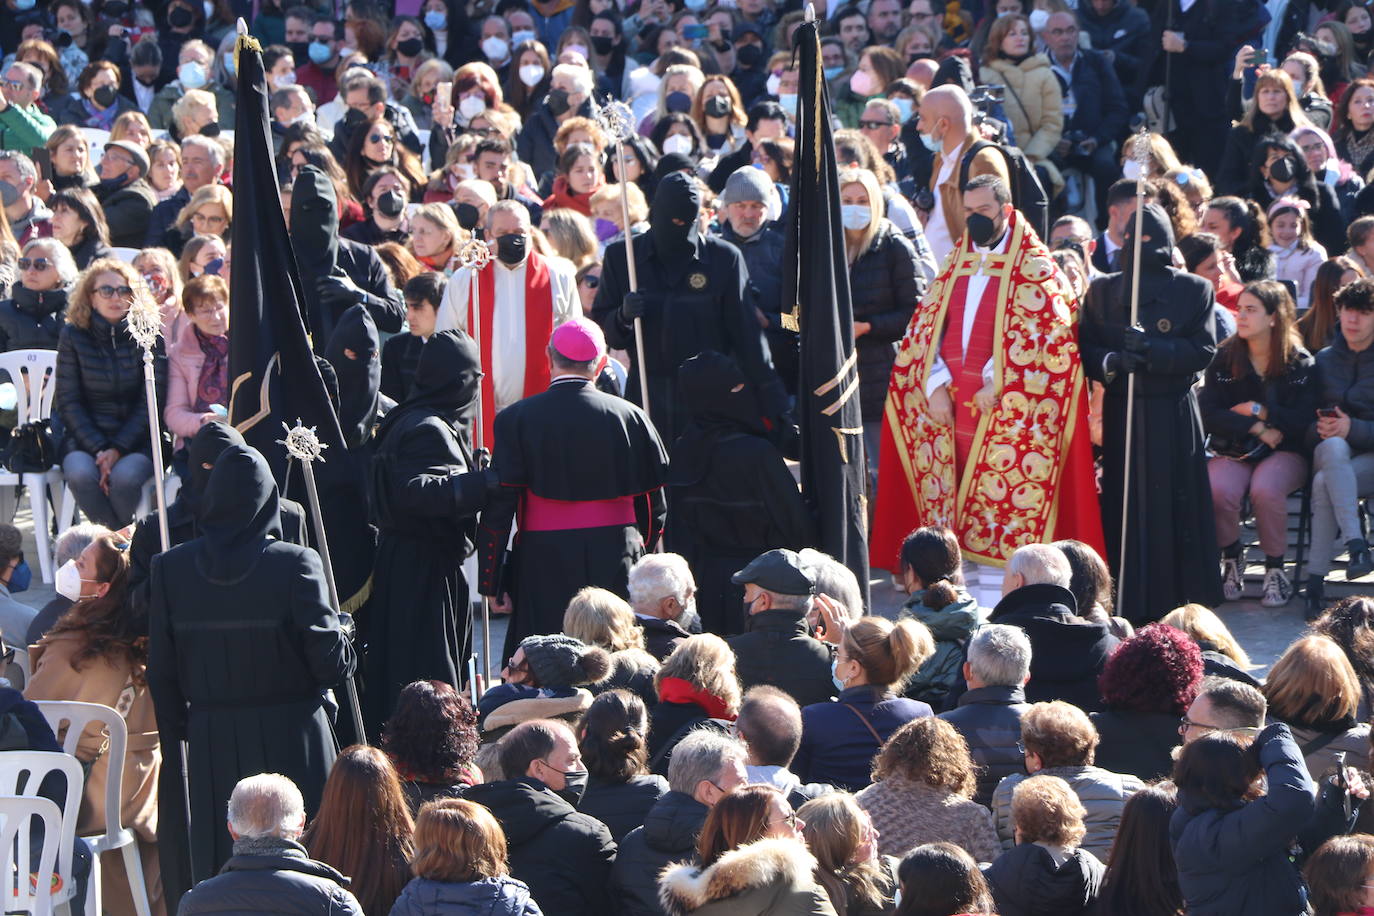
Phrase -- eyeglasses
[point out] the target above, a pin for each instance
(38, 264)
(115, 292)
(591, 282)
(16, 85)
(208, 218)
(512, 666)
(790, 820)
(1021, 748)
(379, 138)
(1066, 30)
(119, 159)
(1186, 723)
(874, 125)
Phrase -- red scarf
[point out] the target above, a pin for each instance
(538, 330)
(564, 197)
(676, 690)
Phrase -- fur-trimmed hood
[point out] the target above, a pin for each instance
(774, 866)
(513, 713)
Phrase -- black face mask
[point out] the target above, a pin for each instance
(210, 130)
(300, 50)
(105, 96)
(678, 101)
(1282, 170)
(717, 106)
(410, 47)
(180, 17)
(115, 9)
(574, 787)
(748, 56)
(557, 100)
(468, 216)
(511, 248)
(603, 44)
(391, 204)
(982, 230)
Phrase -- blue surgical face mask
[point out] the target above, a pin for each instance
(695, 6)
(835, 678)
(229, 62)
(20, 578)
(930, 143)
(320, 52)
(788, 101)
(832, 72)
(521, 35)
(904, 109)
(437, 20)
(191, 74)
(25, 5)
(855, 216)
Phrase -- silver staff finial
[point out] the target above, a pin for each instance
(144, 320)
(474, 254)
(302, 443)
(617, 119)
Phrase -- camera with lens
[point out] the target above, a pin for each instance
(1080, 141)
(985, 98)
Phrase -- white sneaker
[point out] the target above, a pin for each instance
(1278, 591)
(1232, 580)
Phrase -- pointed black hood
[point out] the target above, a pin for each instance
(240, 511)
(360, 377)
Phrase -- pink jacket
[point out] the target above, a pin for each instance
(184, 360)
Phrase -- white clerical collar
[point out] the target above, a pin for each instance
(567, 375)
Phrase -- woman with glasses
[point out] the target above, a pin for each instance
(752, 861)
(106, 453)
(210, 211)
(372, 145)
(588, 280)
(97, 653)
(32, 319)
(842, 837)
(198, 360)
(79, 223)
(159, 270)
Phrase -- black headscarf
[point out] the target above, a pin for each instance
(1156, 249)
(240, 511)
(314, 225)
(719, 401)
(359, 378)
(446, 384)
(209, 442)
(673, 219)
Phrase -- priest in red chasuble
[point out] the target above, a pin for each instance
(986, 425)
(523, 296)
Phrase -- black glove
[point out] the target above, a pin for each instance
(632, 307)
(481, 459)
(788, 437)
(1134, 340)
(1117, 363)
(339, 292)
(1132, 362)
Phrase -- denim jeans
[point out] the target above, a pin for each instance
(115, 509)
(1339, 478)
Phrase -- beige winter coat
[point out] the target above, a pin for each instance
(771, 877)
(1034, 105)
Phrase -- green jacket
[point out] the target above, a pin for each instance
(849, 106)
(952, 626)
(24, 128)
(160, 109)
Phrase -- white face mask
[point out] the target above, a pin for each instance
(531, 74)
(678, 143)
(774, 81)
(68, 581)
(471, 106)
(495, 47)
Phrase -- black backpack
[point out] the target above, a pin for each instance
(29, 449)
(1027, 194)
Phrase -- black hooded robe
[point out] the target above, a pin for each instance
(730, 494)
(574, 444)
(1171, 557)
(695, 292)
(243, 651)
(426, 498)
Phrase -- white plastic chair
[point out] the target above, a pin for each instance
(126, 255)
(97, 139)
(17, 893)
(21, 773)
(34, 373)
(75, 717)
(424, 148)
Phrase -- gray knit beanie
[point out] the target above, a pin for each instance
(561, 661)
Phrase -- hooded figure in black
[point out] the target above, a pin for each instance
(354, 351)
(692, 297)
(426, 495)
(583, 471)
(202, 450)
(243, 652)
(730, 494)
(1171, 556)
(336, 273)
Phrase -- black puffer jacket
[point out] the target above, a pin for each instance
(622, 806)
(284, 880)
(1347, 379)
(563, 855)
(886, 284)
(1026, 882)
(32, 321)
(99, 392)
(669, 835)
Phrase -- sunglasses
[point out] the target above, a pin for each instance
(15, 85)
(115, 292)
(39, 264)
(874, 125)
(591, 282)
(379, 138)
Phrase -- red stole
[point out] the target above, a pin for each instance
(538, 330)
(966, 369)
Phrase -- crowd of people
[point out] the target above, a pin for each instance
(1111, 276)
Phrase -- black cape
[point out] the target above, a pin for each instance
(243, 650)
(571, 443)
(359, 375)
(1171, 556)
(417, 623)
(730, 494)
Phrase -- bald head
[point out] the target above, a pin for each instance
(923, 71)
(946, 116)
(1061, 36)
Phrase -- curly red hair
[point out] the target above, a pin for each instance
(1158, 670)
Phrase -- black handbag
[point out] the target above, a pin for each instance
(1250, 449)
(29, 450)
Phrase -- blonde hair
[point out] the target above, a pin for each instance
(608, 193)
(442, 216)
(79, 304)
(208, 194)
(1207, 630)
(834, 830)
(708, 664)
(602, 618)
(869, 182)
(1312, 684)
(1060, 734)
(120, 129)
(571, 235)
(890, 653)
(1045, 809)
(195, 100)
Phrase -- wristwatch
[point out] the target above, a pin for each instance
(1256, 408)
